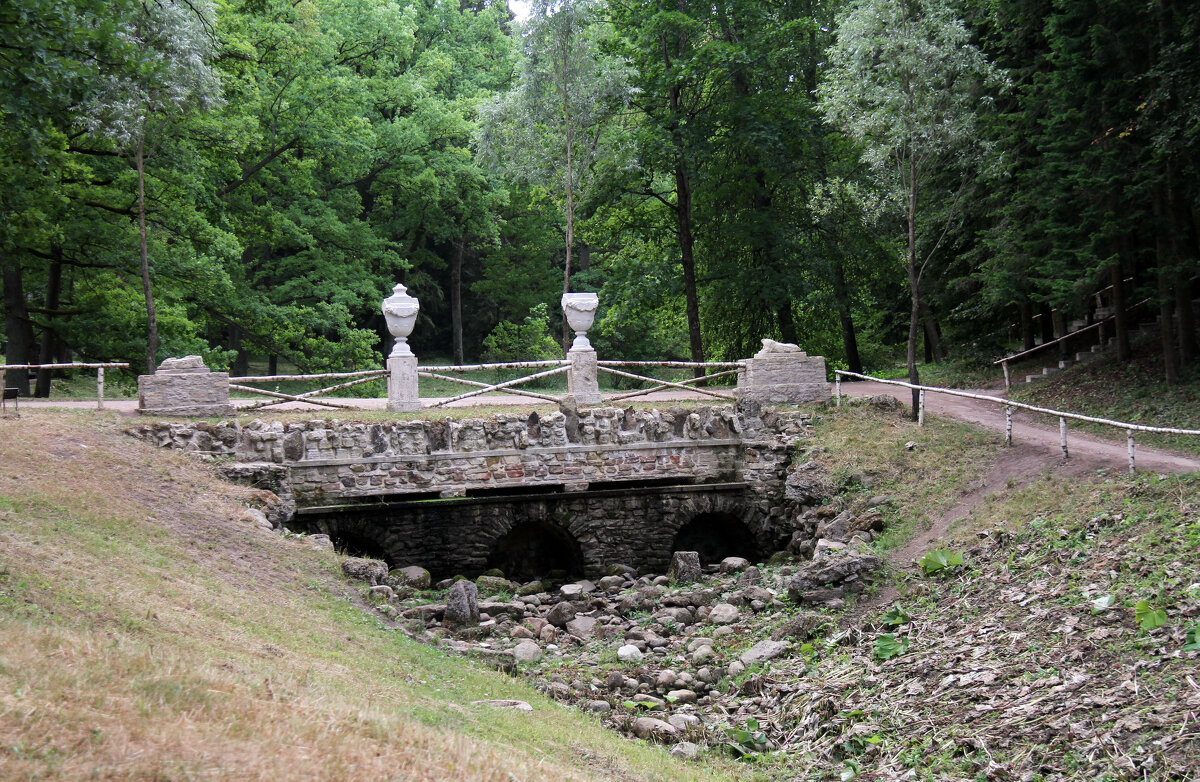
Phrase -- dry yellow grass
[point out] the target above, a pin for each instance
(145, 633)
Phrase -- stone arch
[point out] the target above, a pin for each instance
(536, 548)
(354, 538)
(718, 527)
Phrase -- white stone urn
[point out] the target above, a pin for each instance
(400, 311)
(580, 311)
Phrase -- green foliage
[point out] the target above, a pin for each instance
(1148, 617)
(745, 742)
(888, 646)
(529, 340)
(1192, 638)
(940, 561)
(896, 616)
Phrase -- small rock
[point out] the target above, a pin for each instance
(685, 567)
(521, 631)
(561, 613)
(750, 577)
(609, 582)
(762, 651)
(412, 576)
(723, 614)
(650, 728)
(370, 570)
(734, 564)
(503, 704)
(597, 706)
(826, 547)
(686, 750)
(682, 696)
(665, 679)
(683, 721)
(736, 668)
(703, 654)
(319, 542)
(911, 445)
(629, 654)
(491, 585)
(527, 652)
(383, 592)
(571, 590)
(257, 518)
(582, 626)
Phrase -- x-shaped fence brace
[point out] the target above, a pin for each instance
(659, 385)
(506, 387)
(279, 398)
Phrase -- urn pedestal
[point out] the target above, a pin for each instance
(400, 311)
(583, 381)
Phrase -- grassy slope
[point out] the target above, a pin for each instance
(150, 635)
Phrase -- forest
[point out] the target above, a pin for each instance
(879, 181)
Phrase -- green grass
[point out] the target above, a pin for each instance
(150, 635)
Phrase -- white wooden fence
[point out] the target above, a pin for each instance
(99, 367)
(1009, 405)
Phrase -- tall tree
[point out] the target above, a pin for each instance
(553, 126)
(906, 81)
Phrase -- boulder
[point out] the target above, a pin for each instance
(762, 651)
(808, 484)
(629, 654)
(847, 571)
(491, 585)
(561, 613)
(685, 567)
(686, 750)
(372, 571)
(682, 696)
(411, 576)
(527, 652)
(462, 607)
(750, 577)
(597, 706)
(800, 627)
(723, 614)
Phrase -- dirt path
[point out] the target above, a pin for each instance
(1036, 451)
(1086, 450)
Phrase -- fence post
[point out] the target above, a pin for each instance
(99, 388)
(1062, 436)
(1129, 442)
(921, 411)
(1007, 381)
(1008, 425)
(837, 382)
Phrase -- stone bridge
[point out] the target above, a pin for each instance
(570, 491)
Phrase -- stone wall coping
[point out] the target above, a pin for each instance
(680, 488)
(530, 451)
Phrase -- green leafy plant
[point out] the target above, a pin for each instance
(940, 560)
(748, 741)
(1192, 638)
(888, 646)
(1148, 617)
(896, 616)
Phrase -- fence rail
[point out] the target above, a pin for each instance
(99, 366)
(1009, 405)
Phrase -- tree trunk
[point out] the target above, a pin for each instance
(841, 294)
(1188, 349)
(1027, 340)
(683, 203)
(456, 334)
(914, 284)
(1047, 323)
(151, 318)
(49, 338)
(933, 336)
(1120, 313)
(787, 323)
(1060, 330)
(17, 327)
(241, 359)
(1165, 269)
(272, 364)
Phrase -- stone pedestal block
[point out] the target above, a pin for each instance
(781, 373)
(583, 377)
(402, 384)
(184, 387)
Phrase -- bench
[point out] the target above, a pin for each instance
(10, 393)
